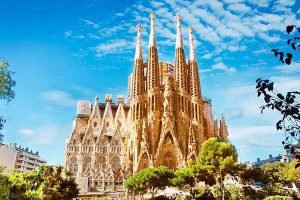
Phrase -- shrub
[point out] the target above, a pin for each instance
(201, 194)
(277, 197)
(232, 192)
(252, 194)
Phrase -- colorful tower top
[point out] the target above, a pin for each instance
(192, 46)
(138, 50)
(152, 38)
(179, 42)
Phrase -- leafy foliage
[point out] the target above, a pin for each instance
(153, 179)
(277, 197)
(293, 42)
(289, 108)
(200, 194)
(6, 86)
(272, 172)
(290, 174)
(217, 159)
(184, 178)
(250, 175)
(4, 184)
(45, 182)
(6, 82)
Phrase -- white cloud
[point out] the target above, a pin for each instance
(260, 3)
(268, 37)
(113, 47)
(59, 98)
(44, 135)
(221, 66)
(213, 21)
(120, 14)
(239, 8)
(233, 1)
(90, 23)
(207, 56)
(156, 4)
(237, 48)
(288, 69)
(68, 33)
(251, 131)
(26, 132)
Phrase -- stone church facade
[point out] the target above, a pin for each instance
(164, 122)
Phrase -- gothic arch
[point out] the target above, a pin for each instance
(143, 160)
(168, 153)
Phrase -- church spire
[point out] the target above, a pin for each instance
(138, 50)
(192, 46)
(194, 74)
(152, 38)
(180, 65)
(152, 62)
(179, 42)
(138, 69)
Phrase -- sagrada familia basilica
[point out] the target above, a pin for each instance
(164, 122)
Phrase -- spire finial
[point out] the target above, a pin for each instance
(179, 42)
(152, 39)
(138, 50)
(192, 46)
(152, 16)
(96, 98)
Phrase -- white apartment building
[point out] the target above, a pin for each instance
(19, 158)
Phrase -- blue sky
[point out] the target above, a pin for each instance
(63, 51)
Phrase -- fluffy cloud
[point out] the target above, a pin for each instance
(90, 23)
(239, 8)
(221, 66)
(59, 98)
(114, 46)
(44, 135)
(26, 132)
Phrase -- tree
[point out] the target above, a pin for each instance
(184, 178)
(4, 184)
(46, 182)
(272, 178)
(289, 107)
(250, 175)
(218, 159)
(6, 85)
(153, 179)
(271, 172)
(292, 42)
(290, 174)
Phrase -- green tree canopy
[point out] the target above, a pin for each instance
(4, 184)
(289, 173)
(6, 82)
(249, 175)
(6, 85)
(152, 179)
(217, 159)
(46, 182)
(184, 178)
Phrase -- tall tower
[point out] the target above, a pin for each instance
(182, 97)
(138, 89)
(194, 79)
(180, 65)
(195, 91)
(152, 69)
(153, 90)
